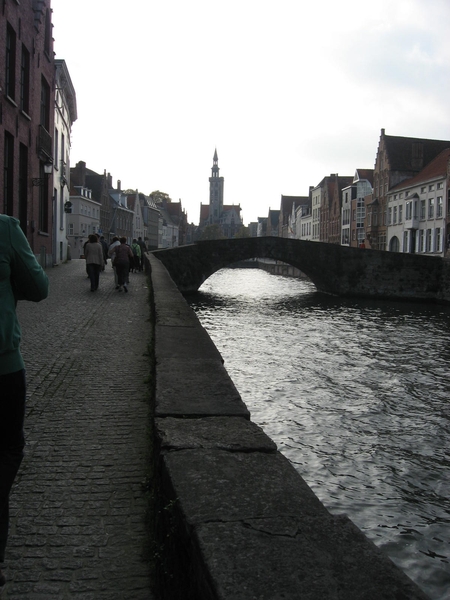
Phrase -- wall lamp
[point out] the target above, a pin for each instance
(48, 168)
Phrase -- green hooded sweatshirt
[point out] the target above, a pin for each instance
(21, 278)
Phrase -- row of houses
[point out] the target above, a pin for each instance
(402, 205)
(96, 206)
(59, 206)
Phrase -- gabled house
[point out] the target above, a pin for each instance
(417, 210)
(398, 159)
(151, 218)
(134, 205)
(286, 207)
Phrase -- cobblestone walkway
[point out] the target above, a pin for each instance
(78, 506)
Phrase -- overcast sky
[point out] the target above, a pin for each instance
(288, 91)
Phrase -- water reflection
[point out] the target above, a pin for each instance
(355, 394)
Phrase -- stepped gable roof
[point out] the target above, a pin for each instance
(434, 169)
(400, 151)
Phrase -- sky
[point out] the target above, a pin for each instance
(287, 91)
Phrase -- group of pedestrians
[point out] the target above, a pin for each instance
(124, 258)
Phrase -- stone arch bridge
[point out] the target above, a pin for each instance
(333, 269)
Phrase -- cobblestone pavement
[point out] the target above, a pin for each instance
(79, 502)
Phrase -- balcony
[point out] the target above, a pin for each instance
(44, 143)
(412, 223)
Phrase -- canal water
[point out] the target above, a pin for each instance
(356, 394)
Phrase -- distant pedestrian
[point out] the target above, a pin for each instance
(144, 249)
(136, 250)
(122, 261)
(105, 250)
(21, 278)
(93, 254)
(362, 244)
(112, 255)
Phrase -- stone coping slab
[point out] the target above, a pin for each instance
(322, 558)
(215, 485)
(254, 529)
(187, 343)
(234, 434)
(196, 388)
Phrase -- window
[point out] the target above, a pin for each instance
(422, 209)
(43, 201)
(431, 208)
(405, 241)
(55, 151)
(439, 206)
(440, 186)
(400, 213)
(23, 187)
(437, 240)
(421, 240)
(408, 211)
(45, 104)
(10, 78)
(395, 215)
(428, 241)
(389, 216)
(423, 189)
(25, 81)
(8, 180)
(431, 187)
(70, 228)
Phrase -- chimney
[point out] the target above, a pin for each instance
(119, 183)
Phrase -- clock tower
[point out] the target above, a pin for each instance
(215, 192)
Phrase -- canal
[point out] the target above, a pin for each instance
(356, 394)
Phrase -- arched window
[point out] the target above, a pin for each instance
(394, 245)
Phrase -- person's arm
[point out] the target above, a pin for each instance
(28, 279)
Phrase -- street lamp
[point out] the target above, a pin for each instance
(48, 168)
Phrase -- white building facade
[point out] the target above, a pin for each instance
(65, 116)
(417, 210)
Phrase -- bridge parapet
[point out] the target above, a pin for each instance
(333, 269)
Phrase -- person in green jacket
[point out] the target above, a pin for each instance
(21, 278)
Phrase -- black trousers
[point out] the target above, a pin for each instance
(12, 443)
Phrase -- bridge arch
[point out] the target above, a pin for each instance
(333, 269)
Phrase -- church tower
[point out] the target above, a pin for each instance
(215, 192)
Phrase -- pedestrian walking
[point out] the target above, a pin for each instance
(105, 251)
(93, 254)
(136, 249)
(112, 255)
(21, 278)
(144, 248)
(122, 262)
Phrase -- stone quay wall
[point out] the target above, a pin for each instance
(234, 520)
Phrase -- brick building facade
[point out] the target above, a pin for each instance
(27, 102)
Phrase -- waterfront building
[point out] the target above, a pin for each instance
(417, 210)
(398, 159)
(353, 209)
(27, 120)
(227, 217)
(65, 116)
